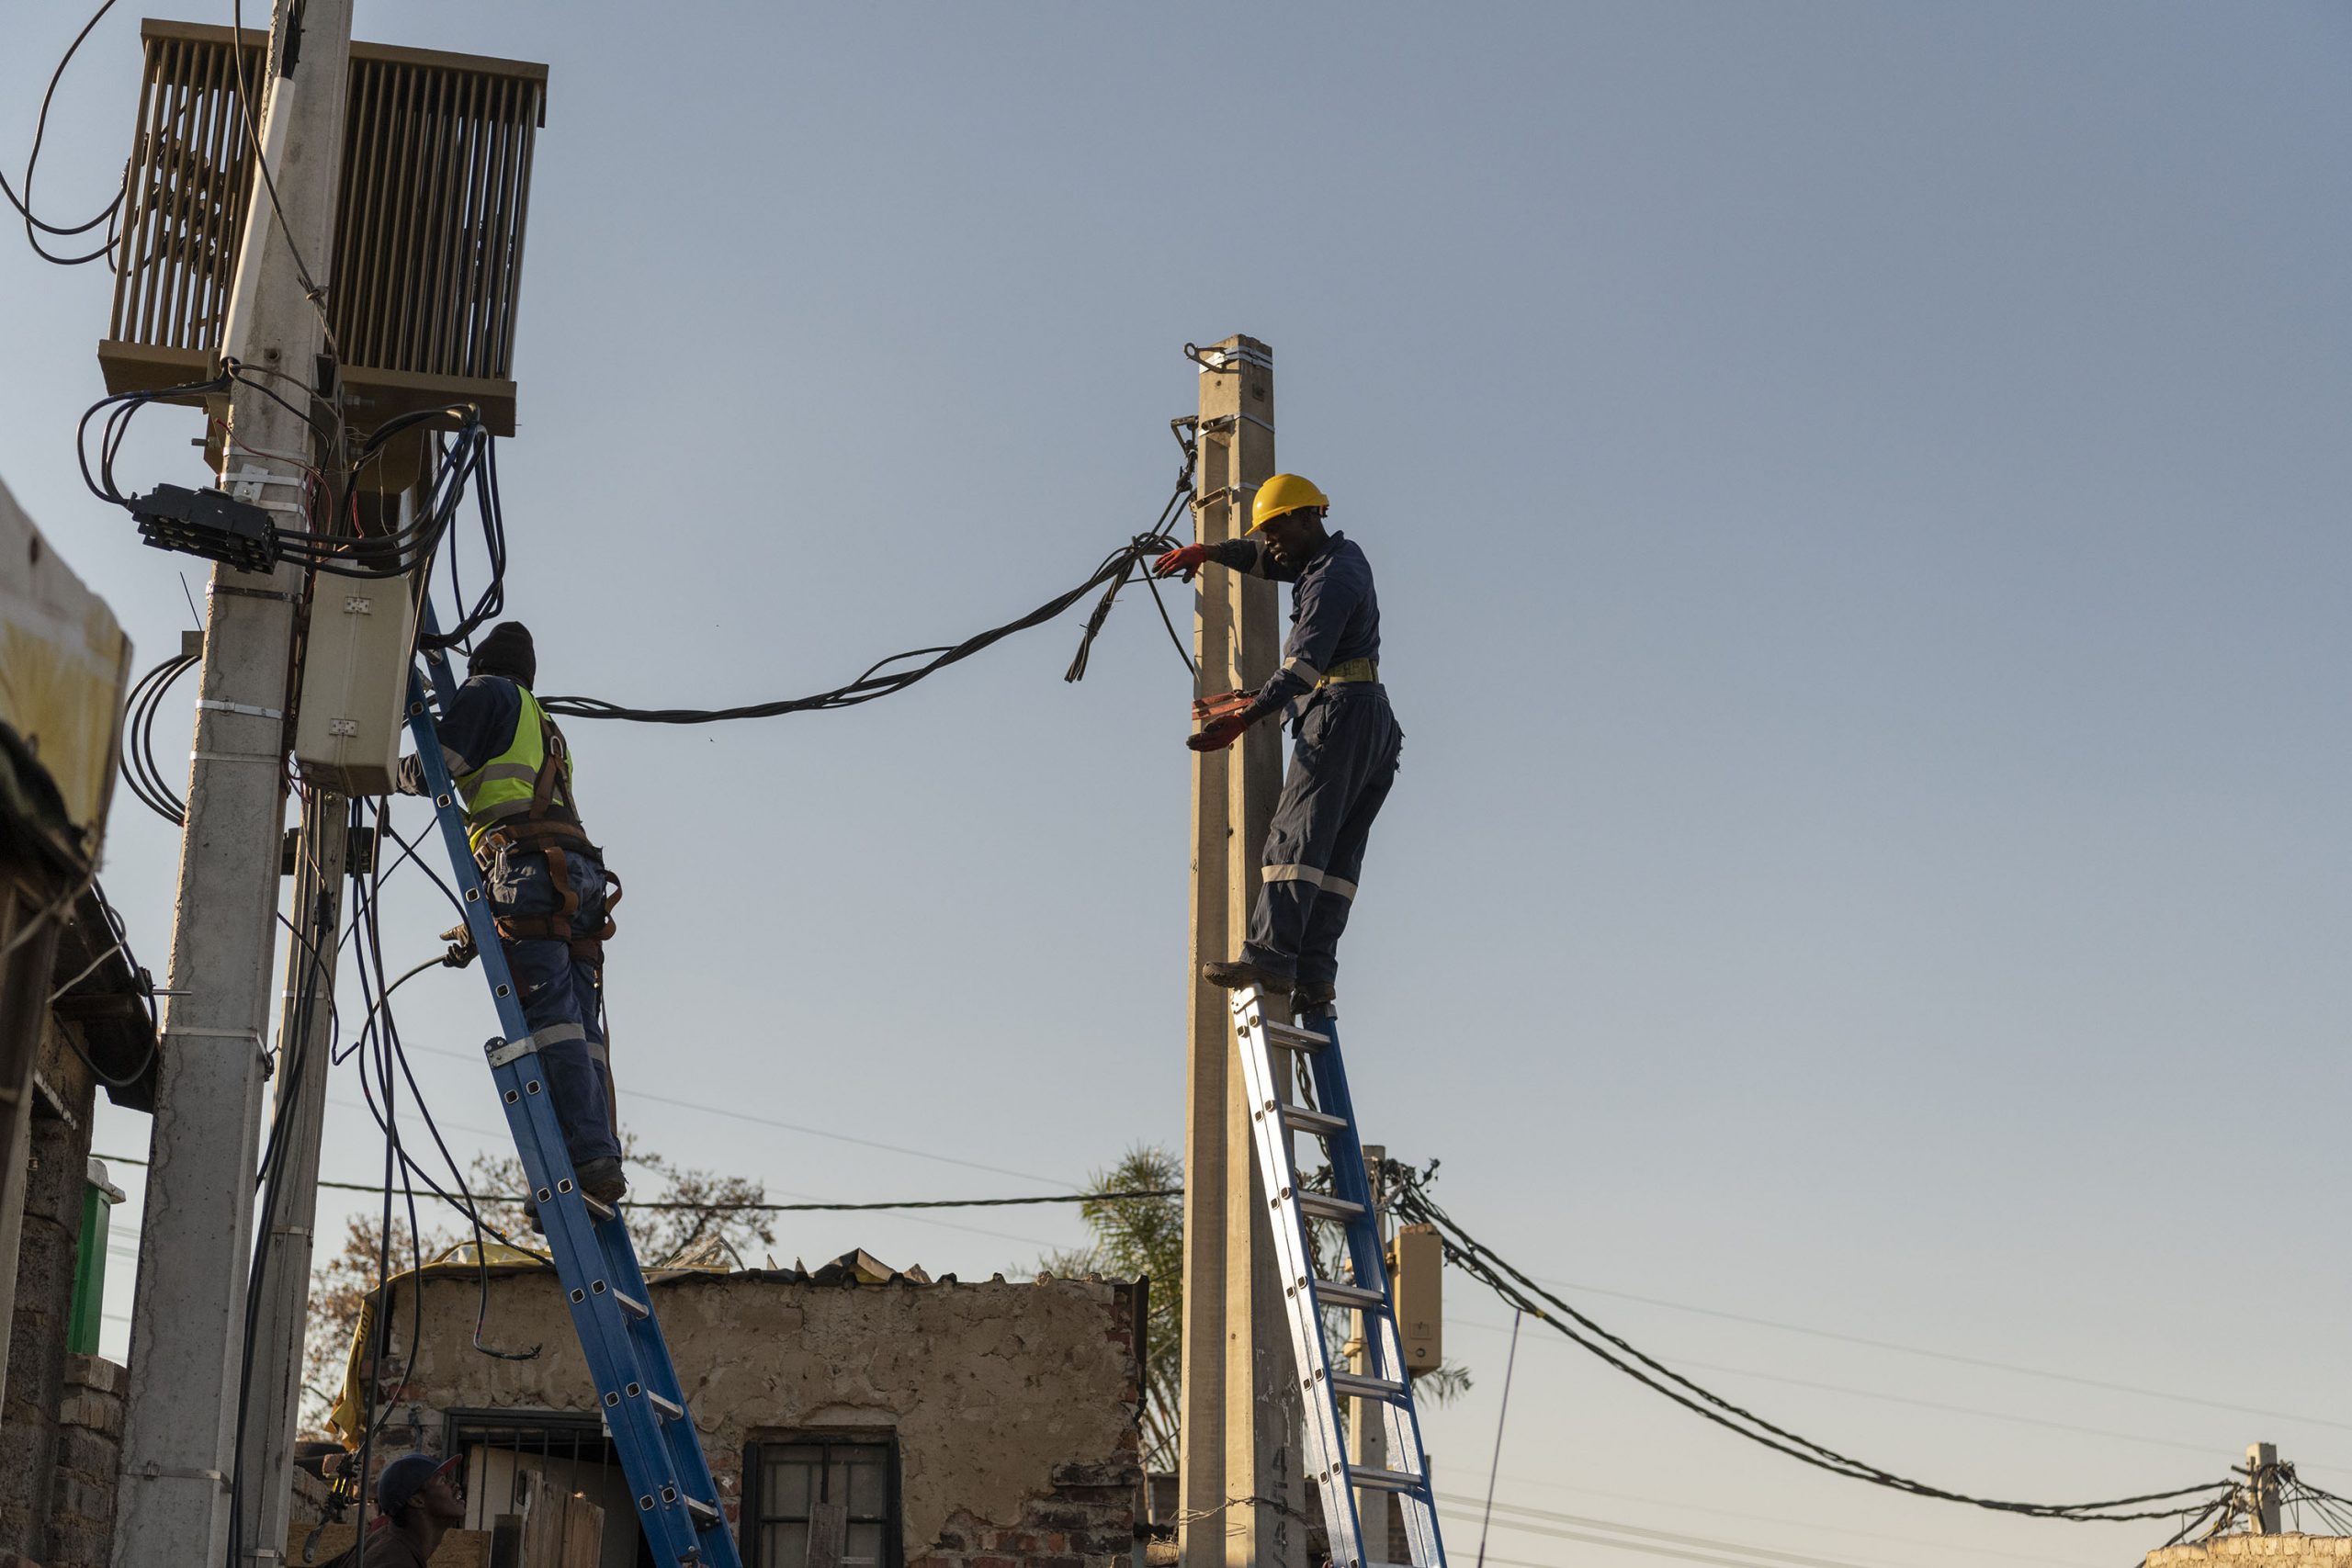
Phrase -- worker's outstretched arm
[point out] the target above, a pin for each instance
(477, 727)
(1247, 555)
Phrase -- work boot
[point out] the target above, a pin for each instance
(1312, 996)
(1239, 974)
(601, 1179)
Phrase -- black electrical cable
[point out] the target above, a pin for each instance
(126, 404)
(409, 851)
(137, 762)
(294, 1067)
(1154, 541)
(470, 1207)
(387, 1032)
(1110, 576)
(139, 976)
(35, 227)
(366, 953)
(1519, 1290)
(872, 683)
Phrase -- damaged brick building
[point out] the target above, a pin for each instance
(853, 1414)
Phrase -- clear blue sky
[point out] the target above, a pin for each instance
(1859, 496)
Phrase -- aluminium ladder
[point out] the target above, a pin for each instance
(643, 1407)
(1383, 1385)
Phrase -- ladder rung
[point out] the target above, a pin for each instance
(1330, 1292)
(1323, 1206)
(631, 1305)
(1290, 1037)
(671, 1410)
(598, 1210)
(704, 1515)
(1355, 1385)
(1384, 1480)
(1299, 1119)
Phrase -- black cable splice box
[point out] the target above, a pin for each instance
(207, 523)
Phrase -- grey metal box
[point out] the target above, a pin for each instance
(354, 683)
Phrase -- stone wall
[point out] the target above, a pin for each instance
(89, 1459)
(2258, 1552)
(1014, 1407)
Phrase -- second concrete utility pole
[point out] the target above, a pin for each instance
(1241, 1434)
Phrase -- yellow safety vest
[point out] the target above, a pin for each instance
(507, 786)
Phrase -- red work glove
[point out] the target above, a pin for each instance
(1204, 709)
(1218, 733)
(1189, 560)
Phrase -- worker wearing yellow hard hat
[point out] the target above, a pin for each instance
(1280, 496)
(1347, 739)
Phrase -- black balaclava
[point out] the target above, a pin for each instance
(505, 650)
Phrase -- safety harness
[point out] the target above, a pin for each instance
(1349, 670)
(548, 824)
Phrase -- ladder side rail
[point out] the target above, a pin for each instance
(1401, 1418)
(1403, 1424)
(683, 1438)
(1311, 1354)
(604, 1336)
(1369, 1269)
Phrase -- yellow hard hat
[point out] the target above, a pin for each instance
(1284, 492)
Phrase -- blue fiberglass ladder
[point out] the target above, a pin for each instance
(677, 1504)
(1382, 1382)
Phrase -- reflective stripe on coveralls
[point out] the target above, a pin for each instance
(507, 785)
(1323, 880)
(1341, 771)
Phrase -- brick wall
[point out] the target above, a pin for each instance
(39, 1450)
(1088, 1515)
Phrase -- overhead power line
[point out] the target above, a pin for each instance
(1520, 1290)
(1853, 1391)
(1139, 1196)
(1955, 1358)
(1637, 1537)
(759, 1121)
(1821, 1526)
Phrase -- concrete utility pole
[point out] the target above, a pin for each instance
(1241, 1429)
(187, 1320)
(2261, 1488)
(282, 1310)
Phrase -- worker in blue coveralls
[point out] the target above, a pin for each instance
(1346, 738)
(547, 883)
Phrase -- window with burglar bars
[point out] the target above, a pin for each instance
(546, 1486)
(840, 1493)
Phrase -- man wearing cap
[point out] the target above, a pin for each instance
(1347, 739)
(419, 1499)
(546, 885)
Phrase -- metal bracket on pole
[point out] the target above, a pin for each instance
(250, 710)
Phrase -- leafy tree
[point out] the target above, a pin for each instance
(704, 1218)
(1138, 1238)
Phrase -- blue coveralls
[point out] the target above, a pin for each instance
(561, 993)
(1341, 766)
